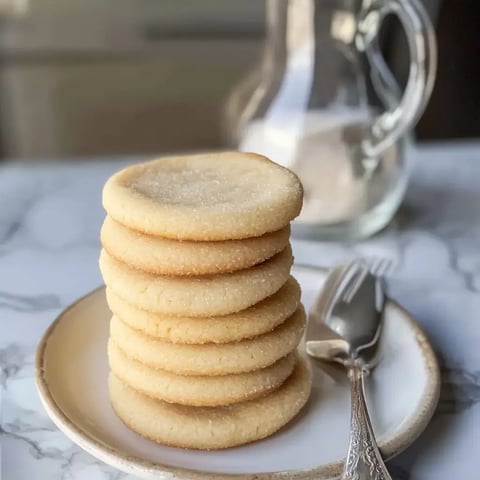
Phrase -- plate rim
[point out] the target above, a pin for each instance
(138, 466)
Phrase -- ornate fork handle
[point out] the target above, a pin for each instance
(364, 461)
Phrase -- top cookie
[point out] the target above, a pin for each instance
(215, 196)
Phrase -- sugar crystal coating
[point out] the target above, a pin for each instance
(223, 196)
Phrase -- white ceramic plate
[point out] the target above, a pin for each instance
(71, 376)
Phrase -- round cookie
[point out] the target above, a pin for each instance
(209, 428)
(199, 296)
(172, 257)
(210, 358)
(258, 319)
(211, 196)
(198, 390)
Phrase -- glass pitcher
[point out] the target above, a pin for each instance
(324, 103)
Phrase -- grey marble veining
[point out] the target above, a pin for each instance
(50, 216)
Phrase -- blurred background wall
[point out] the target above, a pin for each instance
(90, 77)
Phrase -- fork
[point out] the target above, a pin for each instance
(354, 312)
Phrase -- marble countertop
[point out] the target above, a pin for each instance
(50, 216)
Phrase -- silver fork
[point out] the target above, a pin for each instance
(354, 313)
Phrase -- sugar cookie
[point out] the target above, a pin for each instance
(164, 256)
(210, 358)
(211, 196)
(198, 390)
(256, 320)
(209, 428)
(199, 296)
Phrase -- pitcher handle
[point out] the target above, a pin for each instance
(390, 125)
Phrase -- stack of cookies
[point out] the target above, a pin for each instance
(206, 317)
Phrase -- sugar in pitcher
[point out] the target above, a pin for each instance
(324, 103)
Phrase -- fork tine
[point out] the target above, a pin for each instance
(355, 265)
(355, 285)
(382, 267)
(376, 265)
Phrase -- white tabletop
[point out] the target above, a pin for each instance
(50, 216)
